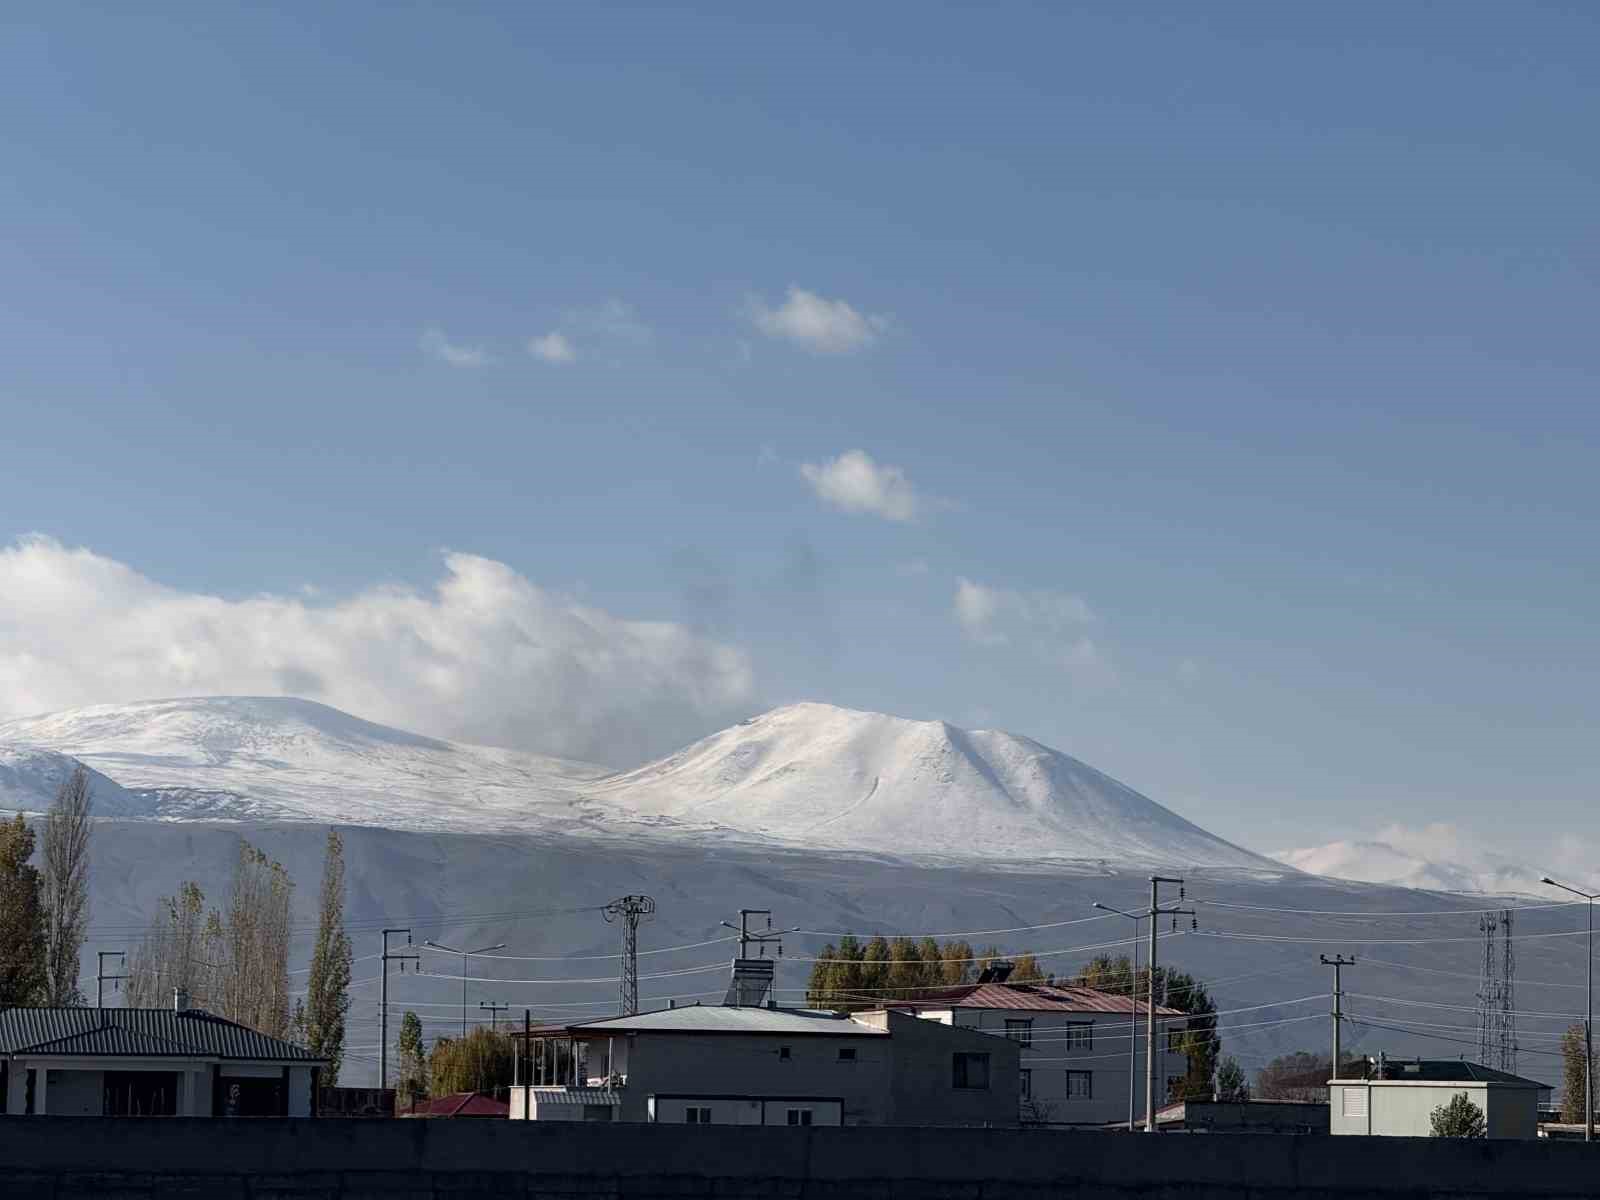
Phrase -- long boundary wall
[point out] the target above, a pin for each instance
(65, 1158)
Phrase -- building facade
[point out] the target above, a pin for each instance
(1082, 1051)
(149, 1062)
(1399, 1097)
(728, 1065)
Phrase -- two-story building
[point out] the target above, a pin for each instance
(764, 1065)
(1082, 1050)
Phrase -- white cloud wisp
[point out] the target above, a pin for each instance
(554, 347)
(856, 483)
(1050, 622)
(436, 345)
(484, 655)
(817, 323)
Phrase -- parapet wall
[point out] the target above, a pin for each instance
(65, 1158)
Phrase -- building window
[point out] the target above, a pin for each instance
(696, 1116)
(1027, 1083)
(847, 1054)
(799, 1116)
(783, 1054)
(970, 1071)
(1020, 1031)
(1079, 1035)
(1080, 1085)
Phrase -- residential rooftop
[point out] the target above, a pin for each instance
(1031, 997)
(718, 1018)
(140, 1032)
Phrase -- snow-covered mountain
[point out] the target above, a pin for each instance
(30, 778)
(1397, 861)
(807, 776)
(825, 777)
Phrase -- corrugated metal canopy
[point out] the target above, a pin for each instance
(717, 1018)
(140, 1033)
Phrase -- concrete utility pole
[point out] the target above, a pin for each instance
(101, 978)
(1588, 1009)
(630, 910)
(383, 1001)
(759, 940)
(1337, 962)
(1150, 1010)
(1133, 1011)
(465, 954)
(494, 1011)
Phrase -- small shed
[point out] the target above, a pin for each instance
(1399, 1096)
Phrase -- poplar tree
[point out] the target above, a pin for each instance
(24, 975)
(328, 992)
(413, 1083)
(176, 953)
(66, 885)
(1574, 1061)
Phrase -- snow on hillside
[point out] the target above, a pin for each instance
(1386, 862)
(819, 776)
(807, 776)
(264, 758)
(30, 778)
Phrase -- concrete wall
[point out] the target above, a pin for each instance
(921, 1088)
(78, 1159)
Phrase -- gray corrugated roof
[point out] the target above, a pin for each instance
(1451, 1070)
(716, 1018)
(139, 1032)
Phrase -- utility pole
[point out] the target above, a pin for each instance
(101, 978)
(758, 940)
(383, 1001)
(1338, 962)
(465, 954)
(1150, 1010)
(1588, 1009)
(494, 1013)
(629, 910)
(1133, 1010)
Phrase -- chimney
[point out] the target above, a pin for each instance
(180, 999)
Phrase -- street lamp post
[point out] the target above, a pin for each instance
(1133, 1010)
(1588, 1012)
(465, 954)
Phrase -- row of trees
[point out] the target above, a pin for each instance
(44, 910)
(234, 961)
(482, 1061)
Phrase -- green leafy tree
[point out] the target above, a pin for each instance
(1028, 970)
(483, 1061)
(955, 964)
(1198, 1041)
(328, 992)
(847, 973)
(1231, 1085)
(65, 884)
(875, 967)
(820, 987)
(1460, 1118)
(24, 972)
(905, 977)
(413, 1080)
(1574, 1061)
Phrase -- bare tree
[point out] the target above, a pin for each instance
(67, 828)
(253, 967)
(177, 953)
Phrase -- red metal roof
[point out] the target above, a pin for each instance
(1033, 997)
(461, 1104)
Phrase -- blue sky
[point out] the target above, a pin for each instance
(1242, 363)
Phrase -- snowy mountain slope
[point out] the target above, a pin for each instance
(281, 758)
(30, 778)
(1399, 865)
(825, 777)
(809, 776)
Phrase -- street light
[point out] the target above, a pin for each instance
(1588, 1019)
(465, 954)
(1133, 1008)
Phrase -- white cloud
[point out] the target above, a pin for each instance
(483, 655)
(817, 323)
(553, 347)
(613, 320)
(457, 354)
(1440, 857)
(855, 483)
(1045, 621)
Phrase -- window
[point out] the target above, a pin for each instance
(1080, 1085)
(783, 1054)
(799, 1116)
(1078, 1035)
(970, 1071)
(1027, 1083)
(847, 1054)
(1020, 1031)
(696, 1116)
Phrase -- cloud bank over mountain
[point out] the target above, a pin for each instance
(485, 655)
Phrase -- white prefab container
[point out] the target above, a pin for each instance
(1402, 1107)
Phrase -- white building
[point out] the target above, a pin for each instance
(1075, 1044)
(82, 1062)
(1400, 1096)
(743, 1065)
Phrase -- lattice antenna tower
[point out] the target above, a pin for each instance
(1507, 1024)
(629, 911)
(1489, 990)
